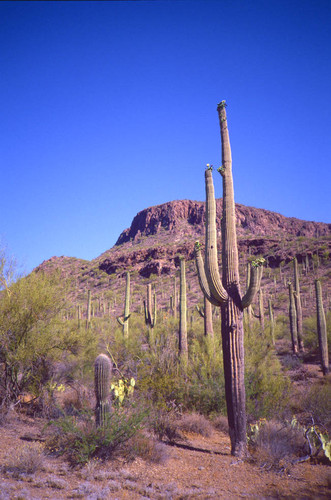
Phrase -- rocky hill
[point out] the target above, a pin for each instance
(151, 246)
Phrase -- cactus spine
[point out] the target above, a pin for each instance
(102, 374)
(298, 307)
(182, 338)
(293, 319)
(125, 321)
(321, 329)
(225, 293)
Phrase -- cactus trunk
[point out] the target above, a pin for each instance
(150, 316)
(102, 374)
(182, 338)
(125, 322)
(293, 320)
(225, 292)
(321, 329)
(272, 322)
(208, 319)
(298, 307)
(261, 310)
(88, 311)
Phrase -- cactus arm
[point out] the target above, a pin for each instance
(217, 291)
(204, 285)
(120, 322)
(230, 262)
(254, 282)
(200, 311)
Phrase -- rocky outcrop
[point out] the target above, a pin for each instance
(187, 217)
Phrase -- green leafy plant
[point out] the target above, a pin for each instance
(80, 440)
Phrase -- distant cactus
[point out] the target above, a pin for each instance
(183, 348)
(293, 319)
(88, 311)
(206, 313)
(321, 329)
(272, 322)
(125, 321)
(298, 307)
(225, 293)
(150, 316)
(102, 374)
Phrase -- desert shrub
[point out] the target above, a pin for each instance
(291, 362)
(27, 459)
(164, 424)
(276, 445)
(220, 422)
(80, 440)
(282, 326)
(310, 333)
(33, 337)
(147, 448)
(205, 391)
(316, 404)
(196, 423)
(267, 389)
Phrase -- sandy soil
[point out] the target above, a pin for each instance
(199, 468)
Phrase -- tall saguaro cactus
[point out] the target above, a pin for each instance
(272, 322)
(293, 319)
(88, 309)
(297, 300)
(321, 329)
(225, 293)
(183, 348)
(150, 316)
(102, 374)
(125, 321)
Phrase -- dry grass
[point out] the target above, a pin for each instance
(147, 448)
(276, 445)
(194, 422)
(221, 424)
(27, 460)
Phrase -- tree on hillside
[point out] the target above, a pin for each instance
(32, 335)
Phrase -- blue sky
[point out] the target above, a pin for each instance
(110, 107)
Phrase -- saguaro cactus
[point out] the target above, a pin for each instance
(297, 300)
(321, 329)
(293, 319)
(182, 337)
(125, 321)
(207, 314)
(88, 309)
(272, 322)
(150, 317)
(102, 374)
(225, 293)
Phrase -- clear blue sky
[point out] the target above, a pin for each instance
(110, 107)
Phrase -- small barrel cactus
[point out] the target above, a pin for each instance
(102, 374)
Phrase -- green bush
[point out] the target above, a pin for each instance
(267, 388)
(80, 440)
(310, 333)
(33, 336)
